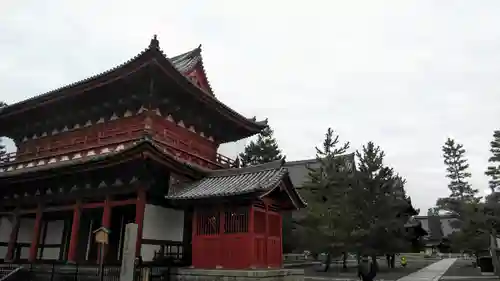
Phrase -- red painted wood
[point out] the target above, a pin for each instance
(36, 235)
(13, 238)
(280, 256)
(123, 202)
(140, 207)
(83, 206)
(73, 244)
(194, 241)
(226, 248)
(266, 235)
(120, 129)
(184, 139)
(105, 222)
(251, 240)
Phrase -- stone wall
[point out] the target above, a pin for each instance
(190, 274)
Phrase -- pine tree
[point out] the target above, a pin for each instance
(463, 202)
(264, 150)
(435, 226)
(457, 171)
(494, 170)
(381, 202)
(327, 191)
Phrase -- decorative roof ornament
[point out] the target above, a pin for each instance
(154, 44)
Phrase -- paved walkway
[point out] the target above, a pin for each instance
(432, 272)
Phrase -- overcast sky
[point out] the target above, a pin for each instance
(404, 74)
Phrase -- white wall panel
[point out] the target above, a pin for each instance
(54, 232)
(26, 228)
(5, 229)
(163, 223)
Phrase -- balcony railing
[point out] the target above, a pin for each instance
(14, 161)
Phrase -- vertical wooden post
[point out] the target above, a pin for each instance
(266, 236)
(251, 237)
(140, 207)
(222, 245)
(195, 252)
(16, 222)
(75, 227)
(105, 222)
(36, 235)
(281, 241)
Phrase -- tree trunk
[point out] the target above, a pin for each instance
(493, 251)
(344, 260)
(328, 261)
(393, 261)
(388, 259)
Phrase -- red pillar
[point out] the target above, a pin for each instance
(194, 240)
(36, 235)
(75, 227)
(221, 262)
(266, 235)
(251, 234)
(13, 238)
(140, 207)
(281, 241)
(105, 222)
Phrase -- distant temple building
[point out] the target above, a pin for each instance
(138, 143)
(299, 171)
(438, 229)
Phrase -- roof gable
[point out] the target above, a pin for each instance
(259, 179)
(178, 68)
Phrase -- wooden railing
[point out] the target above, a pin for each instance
(13, 158)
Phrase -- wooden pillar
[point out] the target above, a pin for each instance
(281, 241)
(266, 235)
(251, 237)
(75, 227)
(36, 235)
(140, 207)
(222, 245)
(195, 252)
(16, 222)
(105, 222)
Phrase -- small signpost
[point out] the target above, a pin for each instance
(102, 238)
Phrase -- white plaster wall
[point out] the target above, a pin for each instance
(26, 228)
(54, 236)
(161, 224)
(25, 235)
(54, 232)
(5, 229)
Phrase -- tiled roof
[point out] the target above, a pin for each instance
(87, 156)
(186, 61)
(299, 170)
(253, 179)
(181, 63)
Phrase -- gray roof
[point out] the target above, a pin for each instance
(186, 61)
(262, 179)
(299, 170)
(50, 163)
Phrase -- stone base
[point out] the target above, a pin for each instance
(279, 274)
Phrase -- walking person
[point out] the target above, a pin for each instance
(366, 269)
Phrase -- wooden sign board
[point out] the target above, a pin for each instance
(102, 235)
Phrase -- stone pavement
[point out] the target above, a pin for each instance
(432, 272)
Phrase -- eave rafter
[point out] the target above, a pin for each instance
(151, 56)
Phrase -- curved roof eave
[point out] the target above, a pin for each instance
(134, 64)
